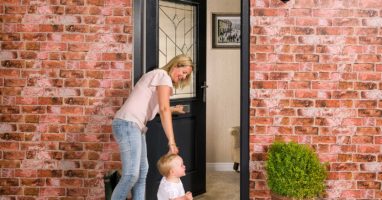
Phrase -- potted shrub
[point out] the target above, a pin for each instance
(294, 171)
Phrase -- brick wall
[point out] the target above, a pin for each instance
(316, 79)
(65, 69)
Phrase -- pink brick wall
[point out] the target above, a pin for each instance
(65, 69)
(316, 78)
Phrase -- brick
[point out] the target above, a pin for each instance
(76, 101)
(306, 130)
(368, 149)
(328, 103)
(302, 121)
(9, 182)
(367, 40)
(50, 101)
(78, 192)
(15, 9)
(11, 190)
(78, 47)
(32, 46)
(32, 181)
(365, 176)
(339, 176)
(34, 109)
(71, 74)
(52, 192)
(77, 28)
(93, 165)
(366, 13)
(344, 167)
(75, 173)
(368, 185)
(12, 45)
(94, 146)
(362, 139)
(324, 139)
(324, 85)
(95, 2)
(370, 4)
(53, 64)
(25, 173)
(71, 10)
(357, 194)
(49, 173)
(364, 158)
(12, 18)
(72, 128)
(117, 20)
(307, 58)
(72, 2)
(12, 64)
(346, 22)
(368, 130)
(113, 56)
(369, 113)
(302, 103)
(369, 77)
(31, 191)
(365, 85)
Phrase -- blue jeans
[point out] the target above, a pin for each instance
(132, 146)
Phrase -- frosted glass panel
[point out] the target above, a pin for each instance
(177, 36)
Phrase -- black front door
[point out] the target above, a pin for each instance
(173, 28)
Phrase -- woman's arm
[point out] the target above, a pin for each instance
(165, 116)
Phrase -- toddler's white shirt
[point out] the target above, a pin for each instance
(169, 190)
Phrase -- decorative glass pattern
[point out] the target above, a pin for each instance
(177, 35)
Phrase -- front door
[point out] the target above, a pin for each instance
(173, 28)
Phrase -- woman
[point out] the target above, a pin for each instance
(150, 95)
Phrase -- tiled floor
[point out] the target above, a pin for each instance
(221, 186)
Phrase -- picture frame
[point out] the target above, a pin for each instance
(226, 30)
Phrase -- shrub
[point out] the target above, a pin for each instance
(295, 171)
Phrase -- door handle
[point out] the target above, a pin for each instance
(204, 87)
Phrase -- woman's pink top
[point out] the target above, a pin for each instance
(142, 104)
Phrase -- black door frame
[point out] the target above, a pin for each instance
(244, 100)
(139, 69)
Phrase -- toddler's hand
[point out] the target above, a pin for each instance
(189, 195)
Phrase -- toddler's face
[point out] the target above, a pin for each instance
(178, 167)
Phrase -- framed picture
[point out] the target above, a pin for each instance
(226, 30)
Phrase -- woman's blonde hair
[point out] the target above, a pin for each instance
(164, 164)
(179, 61)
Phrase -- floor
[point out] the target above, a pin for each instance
(222, 186)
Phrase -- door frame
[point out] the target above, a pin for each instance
(244, 100)
(139, 69)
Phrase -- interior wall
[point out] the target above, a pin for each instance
(223, 93)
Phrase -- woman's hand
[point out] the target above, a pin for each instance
(178, 109)
(173, 149)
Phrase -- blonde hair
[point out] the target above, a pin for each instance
(164, 164)
(179, 61)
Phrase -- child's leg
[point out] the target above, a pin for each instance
(128, 137)
(139, 188)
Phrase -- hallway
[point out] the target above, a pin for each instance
(221, 185)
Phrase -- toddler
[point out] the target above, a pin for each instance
(171, 188)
